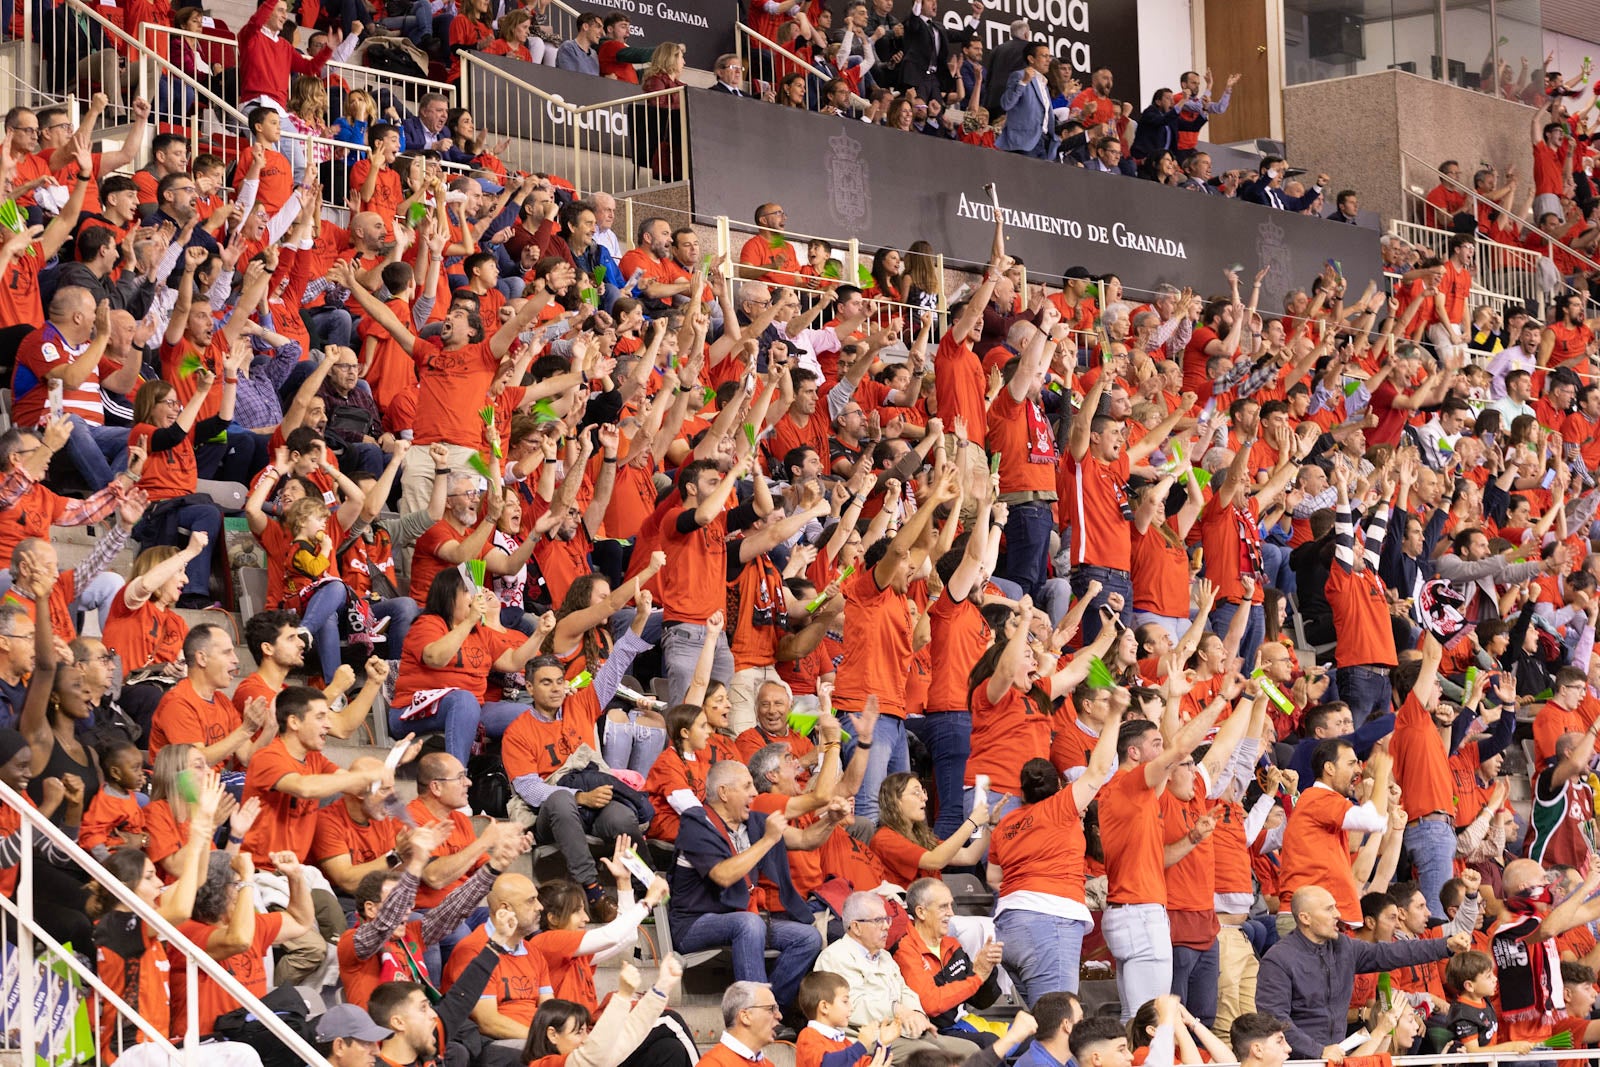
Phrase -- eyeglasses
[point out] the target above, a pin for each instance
(462, 777)
(773, 1008)
(877, 920)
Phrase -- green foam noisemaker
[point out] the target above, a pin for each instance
(1201, 476)
(1274, 694)
(1385, 991)
(599, 276)
(189, 365)
(1561, 1039)
(994, 464)
(707, 395)
(705, 264)
(864, 276)
(832, 270)
(750, 434)
(544, 411)
(487, 415)
(582, 681)
(416, 214)
(803, 722)
(475, 461)
(1351, 385)
(777, 240)
(188, 788)
(1099, 674)
(13, 219)
(587, 295)
(476, 570)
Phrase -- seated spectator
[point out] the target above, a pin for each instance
(571, 951)
(722, 849)
(879, 990)
(560, 1035)
(938, 970)
(581, 54)
(198, 712)
(824, 1000)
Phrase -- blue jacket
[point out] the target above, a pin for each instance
(1025, 114)
(1310, 985)
(701, 846)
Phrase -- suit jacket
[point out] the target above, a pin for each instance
(925, 47)
(1003, 62)
(1260, 191)
(1157, 131)
(1026, 112)
(720, 86)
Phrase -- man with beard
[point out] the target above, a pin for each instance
(454, 376)
(1524, 947)
(562, 553)
(650, 255)
(459, 536)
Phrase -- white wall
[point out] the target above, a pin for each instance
(1166, 45)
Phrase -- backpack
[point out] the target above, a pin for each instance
(490, 791)
(387, 55)
(242, 1026)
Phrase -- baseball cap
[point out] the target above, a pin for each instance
(351, 1023)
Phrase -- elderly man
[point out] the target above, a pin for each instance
(16, 661)
(605, 217)
(723, 848)
(1308, 977)
(426, 129)
(67, 594)
(69, 350)
(773, 703)
(353, 417)
(878, 989)
(750, 1013)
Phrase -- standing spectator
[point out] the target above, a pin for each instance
(267, 60)
(926, 50)
(1316, 850)
(1010, 56)
(1030, 123)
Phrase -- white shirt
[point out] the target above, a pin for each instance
(744, 1051)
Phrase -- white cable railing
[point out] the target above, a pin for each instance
(623, 147)
(196, 959)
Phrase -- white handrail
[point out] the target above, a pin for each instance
(1474, 197)
(745, 31)
(427, 85)
(34, 821)
(161, 62)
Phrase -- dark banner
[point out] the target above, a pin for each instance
(703, 27)
(1083, 34)
(504, 108)
(845, 178)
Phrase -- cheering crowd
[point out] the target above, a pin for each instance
(1241, 655)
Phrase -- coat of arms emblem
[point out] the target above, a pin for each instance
(849, 195)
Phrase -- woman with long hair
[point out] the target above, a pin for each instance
(308, 117)
(662, 137)
(792, 90)
(471, 29)
(571, 950)
(921, 278)
(167, 430)
(436, 691)
(145, 632)
(130, 958)
(511, 37)
(677, 779)
(581, 640)
(889, 281)
(560, 1034)
(901, 114)
(906, 843)
(167, 816)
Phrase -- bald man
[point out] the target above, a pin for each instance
(36, 577)
(772, 706)
(520, 980)
(354, 836)
(69, 349)
(1308, 977)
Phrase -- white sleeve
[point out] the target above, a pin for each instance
(1366, 819)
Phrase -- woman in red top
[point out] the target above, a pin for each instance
(510, 37)
(582, 640)
(166, 430)
(144, 631)
(129, 956)
(570, 949)
(469, 30)
(560, 1034)
(167, 816)
(905, 842)
(443, 684)
(677, 780)
(888, 277)
(661, 116)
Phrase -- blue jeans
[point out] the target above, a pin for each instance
(1366, 690)
(751, 934)
(401, 611)
(1194, 978)
(457, 715)
(1028, 527)
(329, 326)
(321, 617)
(948, 735)
(1042, 952)
(1255, 631)
(1110, 582)
(887, 756)
(205, 517)
(1139, 937)
(98, 452)
(1275, 563)
(1432, 845)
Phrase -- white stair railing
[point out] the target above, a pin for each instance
(34, 825)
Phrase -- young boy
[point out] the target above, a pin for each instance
(1470, 979)
(824, 999)
(1577, 980)
(1259, 1041)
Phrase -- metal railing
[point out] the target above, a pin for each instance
(623, 147)
(401, 93)
(561, 19)
(1417, 177)
(196, 959)
(766, 62)
(1502, 274)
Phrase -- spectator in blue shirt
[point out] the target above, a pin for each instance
(1057, 1014)
(580, 54)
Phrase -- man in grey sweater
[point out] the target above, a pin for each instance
(1308, 977)
(1475, 571)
